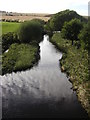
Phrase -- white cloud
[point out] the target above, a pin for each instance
(46, 6)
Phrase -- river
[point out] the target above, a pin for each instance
(42, 91)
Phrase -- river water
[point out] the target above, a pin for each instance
(43, 91)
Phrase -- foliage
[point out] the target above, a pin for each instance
(57, 20)
(75, 63)
(42, 22)
(84, 36)
(8, 39)
(71, 29)
(29, 31)
(19, 57)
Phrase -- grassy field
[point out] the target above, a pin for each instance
(19, 57)
(25, 18)
(75, 64)
(9, 27)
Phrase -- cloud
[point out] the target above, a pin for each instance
(46, 6)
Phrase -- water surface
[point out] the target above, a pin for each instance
(43, 91)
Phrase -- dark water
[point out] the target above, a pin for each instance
(43, 91)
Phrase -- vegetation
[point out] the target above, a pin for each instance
(9, 27)
(71, 29)
(75, 64)
(57, 20)
(84, 36)
(8, 39)
(19, 57)
(30, 31)
(42, 22)
(22, 45)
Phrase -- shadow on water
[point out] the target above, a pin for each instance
(43, 91)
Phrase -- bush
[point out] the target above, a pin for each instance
(42, 22)
(29, 31)
(8, 39)
(84, 36)
(71, 29)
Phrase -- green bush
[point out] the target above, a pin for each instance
(8, 39)
(71, 29)
(42, 22)
(30, 31)
(84, 36)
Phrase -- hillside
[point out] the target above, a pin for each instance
(24, 16)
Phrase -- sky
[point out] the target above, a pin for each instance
(44, 6)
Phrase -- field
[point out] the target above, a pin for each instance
(25, 16)
(9, 27)
(21, 17)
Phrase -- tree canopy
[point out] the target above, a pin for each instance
(57, 20)
(85, 35)
(71, 29)
(30, 30)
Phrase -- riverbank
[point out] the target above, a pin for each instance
(23, 44)
(19, 57)
(75, 63)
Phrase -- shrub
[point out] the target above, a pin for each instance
(84, 36)
(71, 29)
(29, 31)
(42, 22)
(8, 39)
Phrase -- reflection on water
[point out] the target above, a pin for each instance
(42, 91)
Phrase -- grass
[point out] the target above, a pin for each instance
(19, 57)
(75, 63)
(9, 27)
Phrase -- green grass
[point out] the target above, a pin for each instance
(19, 57)
(75, 63)
(9, 27)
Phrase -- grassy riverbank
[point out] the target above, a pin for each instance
(75, 64)
(19, 57)
(22, 41)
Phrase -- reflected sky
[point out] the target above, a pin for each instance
(41, 91)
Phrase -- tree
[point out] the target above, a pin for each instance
(30, 31)
(71, 29)
(85, 35)
(57, 20)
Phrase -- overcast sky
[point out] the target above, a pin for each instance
(44, 6)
